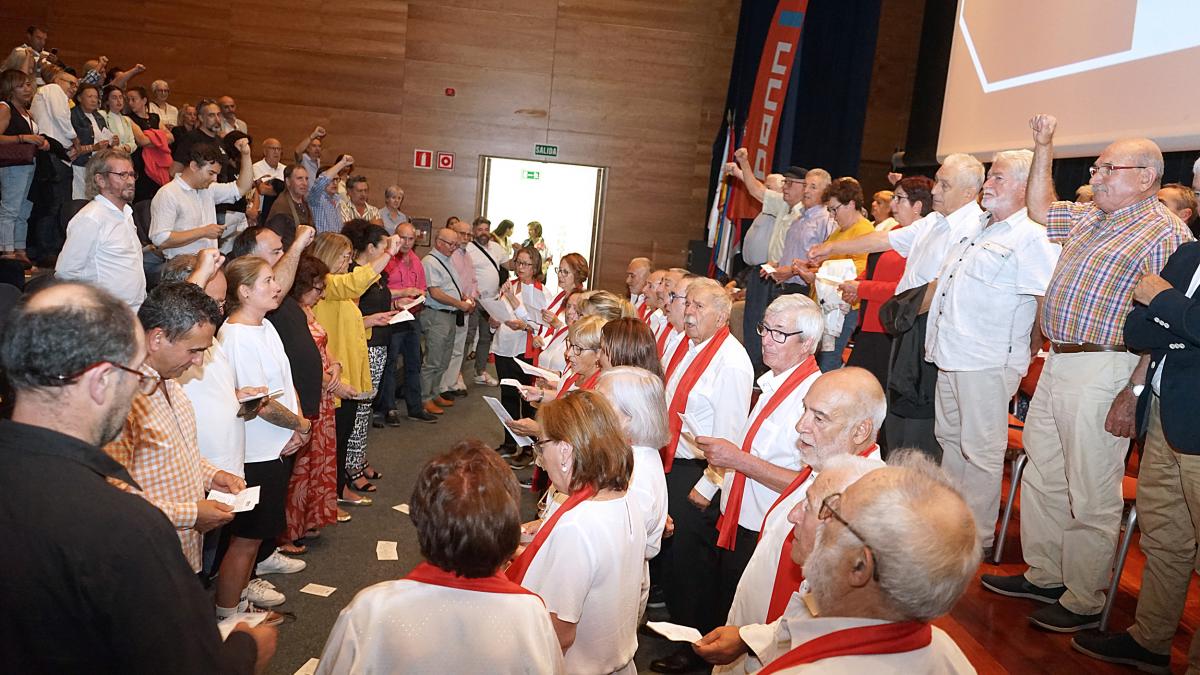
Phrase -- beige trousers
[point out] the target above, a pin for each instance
(1071, 490)
(1168, 503)
(971, 425)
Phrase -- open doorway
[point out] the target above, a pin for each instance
(567, 199)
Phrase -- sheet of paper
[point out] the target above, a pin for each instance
(402, 508)
(386, 550)
(245, 500)
(550, 376)
(689, 425)
(674, 632)
(768, 268)
(274, 394)
(505, 419)
(509, 382)
(534, 301)
(226, 625)
(318, 589)
(409, 304)
(401, 317)
(497, 308)
(309, 667)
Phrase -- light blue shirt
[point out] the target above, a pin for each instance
(805, 232)
(440, 277)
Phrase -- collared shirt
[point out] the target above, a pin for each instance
(814, 226)
(673, 338)
(775, 443)
(986, 300)
(103, 248)
(720, 400)
(487, 269)
(177, 207)
(52, 111)
(785, 215)
(924, 243)
(886, 225)
(464, 269)
(95, 561)
(404, 270)
(168, 113)
(326, 214)
(757, 240)
(236, 125)
(158, 447)
(1103, 257)
(261, 168)
(310, 165)
(440, 274)
(349, 211)
(391, 222)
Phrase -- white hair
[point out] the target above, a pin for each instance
(1195, 168)
(850, 468)
(803, 314)
(158, 84)
(820, 174)
(392, 190)
(638, 394)
(720, 297)
(967, 171)
(1019, 160)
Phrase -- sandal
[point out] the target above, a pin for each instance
(371, 473)
(365, 486)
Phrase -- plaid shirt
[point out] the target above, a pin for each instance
(349, 213)
(1103, 256)
(326, 214)
(158, 447)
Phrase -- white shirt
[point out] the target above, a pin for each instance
(718, 403)
(52, 111)
(414, 627)
(986, 300)
(261, 168)
(258, 359)
(487, 277)
(785, 215)
(554, 355)
(167, 114)
(648, 485)
(753, 596)
(657, 320)
(177, 207)
(103, 248)
(669, 348)
(886, 225)
(589, 572)
(1156, 382)
(509, 341)
(212, 388)
(237, 124)
(924, 243)
(775, 442)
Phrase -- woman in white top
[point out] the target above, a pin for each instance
(454, 613)
(586, 560)
(514, 338)
(129, 136)
(278, 429)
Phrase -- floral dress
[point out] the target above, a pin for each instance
(312, 490)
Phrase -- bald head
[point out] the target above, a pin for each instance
(636, 273)
(839, 473)
(843, 411)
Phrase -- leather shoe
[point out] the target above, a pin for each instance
(1062, 620)
(377, 422)
(682, 661)
(1017, 586)
(432, 408)
(443, 402)
(393, 418)
(421, 416)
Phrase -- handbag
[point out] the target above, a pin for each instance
(17, 154)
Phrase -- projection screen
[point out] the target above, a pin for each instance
(1106, 68)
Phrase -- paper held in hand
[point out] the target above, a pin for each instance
(505, 419)
(497, 308)
(690, 430)
(549, 376)
(533, 301)
(768, 268)
(401, 317)
(509, 382)
(674, 632)
(409, 304)
(245, 500)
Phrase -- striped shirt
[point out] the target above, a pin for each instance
(1103, 256)
(350, 212)
(159, 448)
(326, 215)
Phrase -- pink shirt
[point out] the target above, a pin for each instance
(465, 270)
(405, 271)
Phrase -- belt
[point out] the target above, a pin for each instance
(1081, 347)
(447, 311)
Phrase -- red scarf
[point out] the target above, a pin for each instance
(427, 573)
(728, 522)
(661, 343)
(677, 356)
(560, 301)
(531, 352)
(520, 565)
(643, 311)
(789, 575)
(684, 388)
(886, 638)
(588, 384)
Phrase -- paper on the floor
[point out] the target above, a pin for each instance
(401, 316)
(309, 667)
(245, 500)
(674, 632)
(505, 419)
(548, 375)
(318, 589)
(227, 624)
(768, 268)
(402, 508)
(386, 550)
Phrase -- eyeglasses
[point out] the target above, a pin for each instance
(1106, 169)
(563, 271)
(672, 296)
(776, 335)
(899, 197)
(576, 350)
(127, 175)
(792, 181)
(524, 264)
(447, 242)
(147, 384)
(833, 209)
(537, 445)
(319, 289)
(829, 508)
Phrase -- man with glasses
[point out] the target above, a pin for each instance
(446, 307)
(102, 244)
(1082, 415)
(72, 354)
(269, 167)
(452, 384)
(672, 293)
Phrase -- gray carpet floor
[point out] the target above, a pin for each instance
(344, 556)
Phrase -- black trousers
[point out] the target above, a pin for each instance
(730, 565)
(692, 553)
(510, 398)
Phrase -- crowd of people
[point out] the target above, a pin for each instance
(809, 488)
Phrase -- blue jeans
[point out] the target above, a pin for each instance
(406, 343)
(15, 206)
(832, 360)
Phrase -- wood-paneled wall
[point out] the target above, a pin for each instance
(637, 86)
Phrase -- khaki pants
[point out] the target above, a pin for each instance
(1071, 489)
(1168, 503)
(971, 425)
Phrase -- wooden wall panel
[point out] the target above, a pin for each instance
(636, 86)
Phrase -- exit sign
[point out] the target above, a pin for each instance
(533, 175)
(545, 150)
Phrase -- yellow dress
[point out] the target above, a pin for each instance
(338, 314)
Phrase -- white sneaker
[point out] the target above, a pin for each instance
(279, 563)
(262, 593)
(486, 378)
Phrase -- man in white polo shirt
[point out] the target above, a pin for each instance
(490, 261)
(269, 167)
(183, 215)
